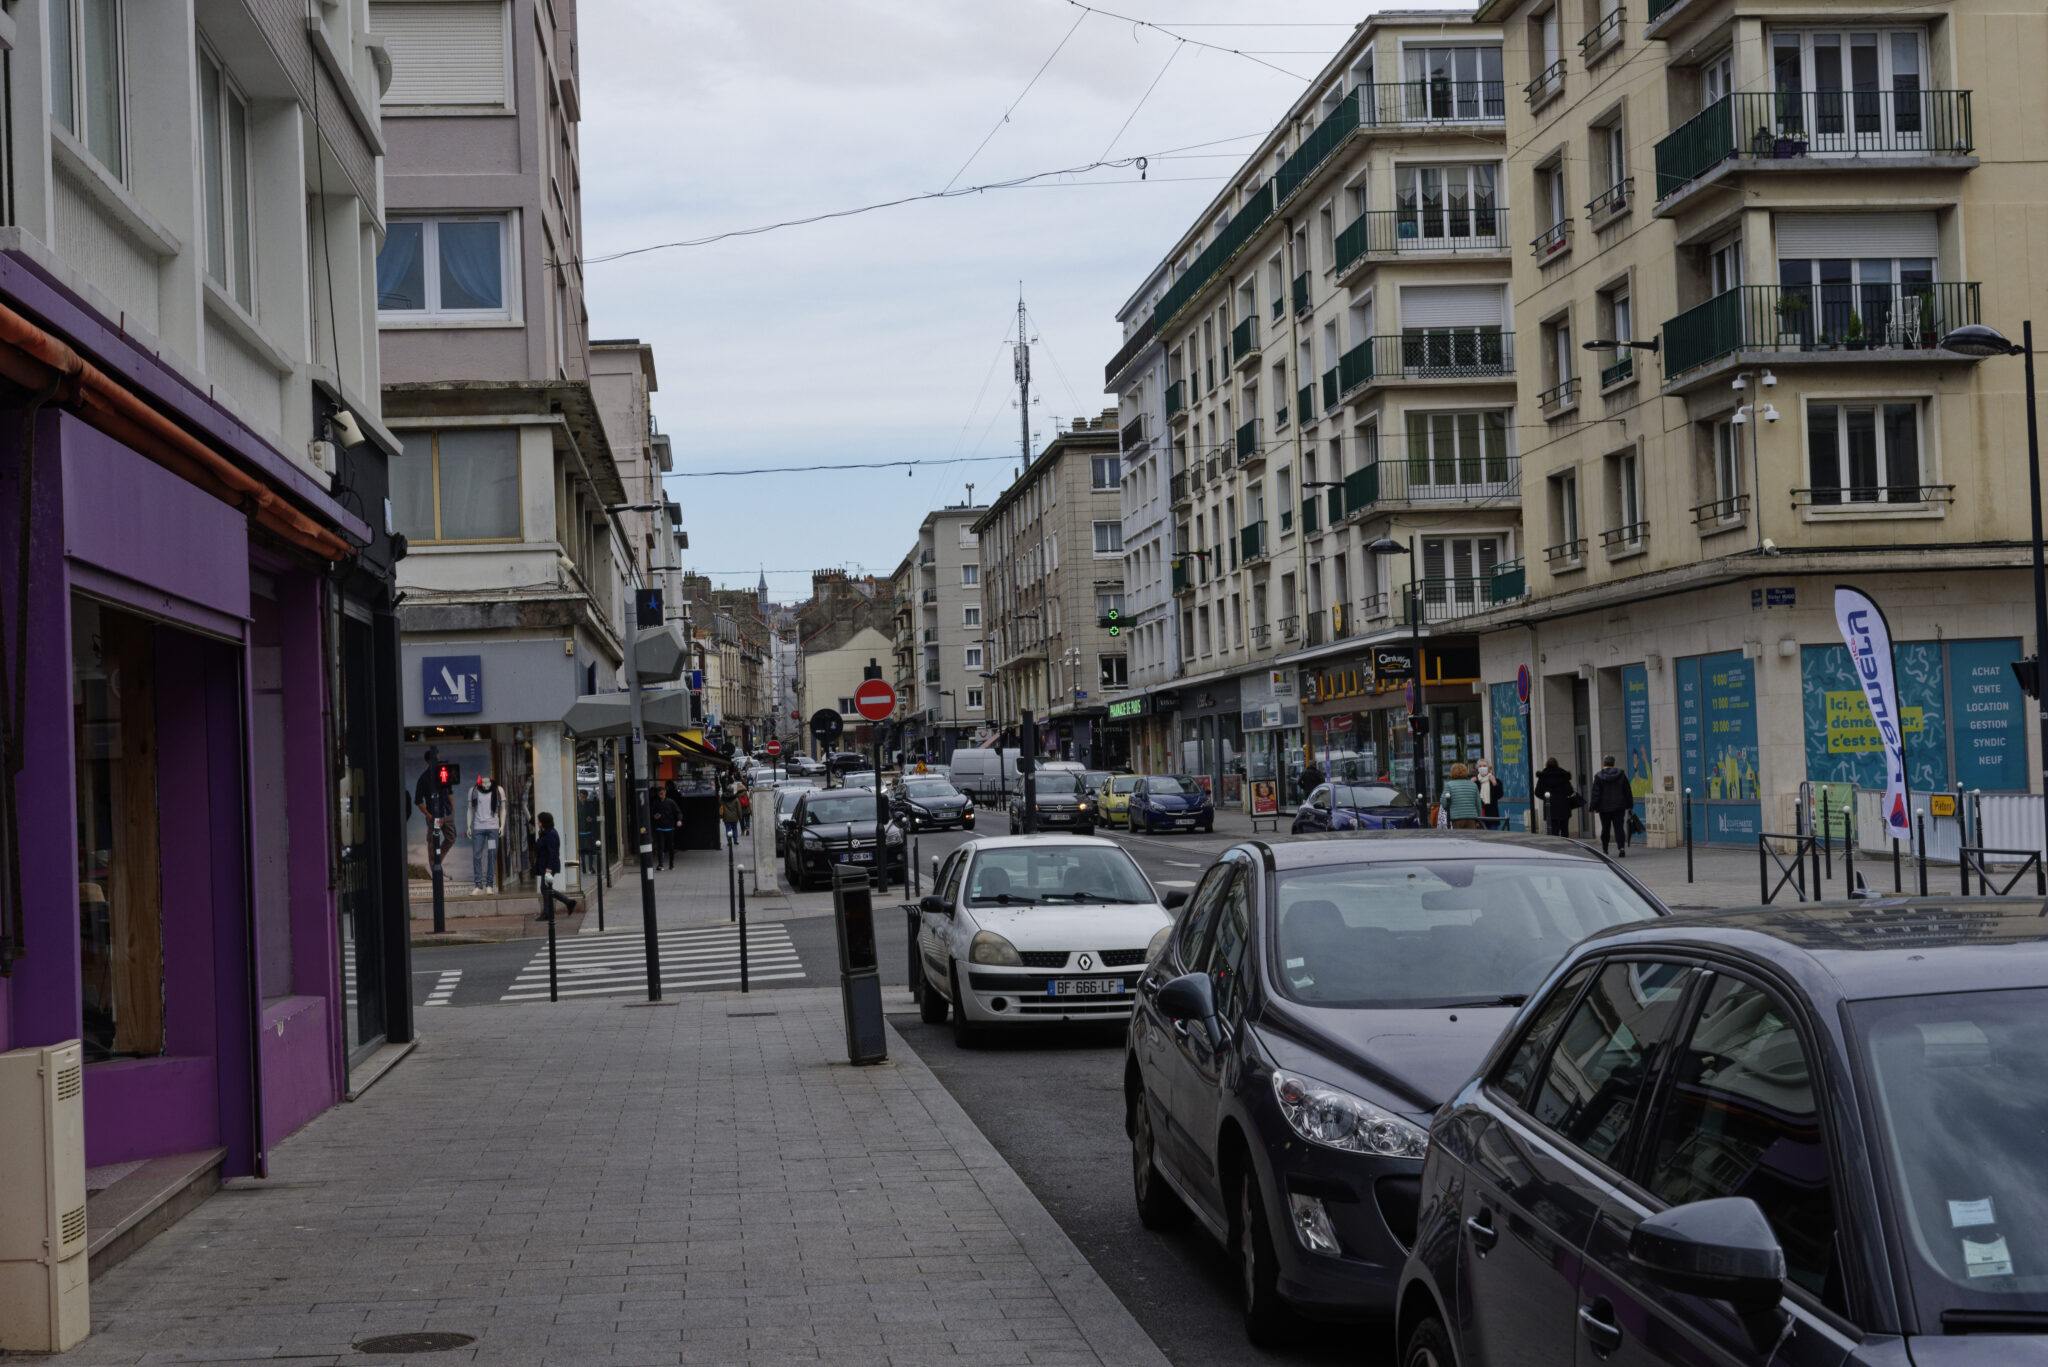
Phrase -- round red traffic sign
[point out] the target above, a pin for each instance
(1522, 683)
(774, 747)
(874, 700)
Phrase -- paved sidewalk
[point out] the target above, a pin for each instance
(705, 1182)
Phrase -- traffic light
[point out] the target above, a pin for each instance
(450, 775)
(2028, 672)
(1112, 620)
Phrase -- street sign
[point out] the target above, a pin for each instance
(826, 725)
(874, 699)
(1522, 683)
(774, 748)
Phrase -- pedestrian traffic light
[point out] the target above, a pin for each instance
(450, 775)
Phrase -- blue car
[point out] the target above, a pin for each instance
(1171, 802)
(1358, 807)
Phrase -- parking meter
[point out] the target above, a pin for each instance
(860, 979)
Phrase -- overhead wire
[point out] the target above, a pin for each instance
(1078, 21)
(1161, 28)
(1110, 146)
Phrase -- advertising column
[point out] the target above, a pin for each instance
(1717, 745)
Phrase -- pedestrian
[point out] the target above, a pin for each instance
(1489, 796)
(1461, 799)
(1613, 802)
(1311, 778)
(547, 868)
(729, 813)
(668, 815)
(486, 820)
(746, 812)
(1554, 791)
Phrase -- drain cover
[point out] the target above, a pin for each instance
(415, 1343)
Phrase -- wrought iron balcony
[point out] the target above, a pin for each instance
(1625, 538)
(1603, 35)
(1561, 397)
(1553, 241)
(1423, 230)
(1815, 128)
(1548, 82)
(1721, 512)
(1566, 554)
(1279, 416)
(1133, 436)
(1623, 369)
(1877, 320)
(1244, 339)
(1176, 399)
(1178, 487)
(1252, 541)
(1612, 200)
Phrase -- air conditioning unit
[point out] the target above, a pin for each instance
(42, 1221)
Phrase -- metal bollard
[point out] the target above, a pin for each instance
(1849, 853)
(1688, 833)
(732, 906)
(1920, 854)
(1826, 833)
(742, 915)
(1819, 888)
(547, 908)
(916, 875)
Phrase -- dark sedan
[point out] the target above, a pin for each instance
(1060, 803)
(1171, 802)
(930, 804)
(1357, 807)
(1319, 999)
(835, 826)
(1797, 1136)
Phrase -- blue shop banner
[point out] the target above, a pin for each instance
(1717, 745)
(1511, 754)
(1635, 705)
(451, 683)
(1961, 709)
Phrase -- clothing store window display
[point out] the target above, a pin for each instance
(486, 821)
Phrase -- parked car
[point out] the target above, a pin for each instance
(859, 778)
(1033, 930)
(932, 804)
(1357, 807)
(1790, 1136)
(1320, 999)
(1170, 802)
(1059, 802)
(834, 826)
(786, 798)
(841, 761)
(1113, 799)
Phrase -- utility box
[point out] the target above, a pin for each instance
(43, 1274)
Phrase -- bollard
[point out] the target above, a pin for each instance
(1897, 886)
(860, 984)
(1963, 862)
(1920, 853)
(1763, 870)
(732, 906)
(1826, 833)
(916, 877)
(1819, 888)
(742, 914)
(547, 909)
(604, 873)
(1688, 832)
(1849, 852)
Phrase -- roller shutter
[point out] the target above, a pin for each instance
(1808, 236)
(1452, 306)
(443, 51)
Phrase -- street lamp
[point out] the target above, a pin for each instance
(1975, 339)
(1617, 344)
(1385, 546)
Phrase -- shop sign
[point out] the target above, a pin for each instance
(1168, 701)
(1127, 707)
(1280, 683)
(451, 683)
(1391, 665)
(1344, 681)
(1270, 716)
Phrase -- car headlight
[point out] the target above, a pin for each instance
(1159, 940)
(1336, 1119)
(813, 838)
(987, 947)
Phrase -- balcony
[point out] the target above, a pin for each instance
(1309, 509)
(1603, 37)
(1329, 390)
(1286, 521)
(1721, 514)
(1181, 582)
(931, 676)
(1621, 372)
(1627, 539)
(1176, 400)
(1611, 202)
(927, 557)
(1436, 354)
(931, 636)
(1422, 230)
(1244, 341)
(1215, 470)
(1249, 447)
(1559, 399)
(1510, 581)
(927, 596)
(1354, 367)
(1290, 628)
(1448, 598)
(1279, 416)
(1305, 403)
(1262, 635)
(1549, 82)
(1329, 624)
(1816, 129)
(1552, 242)
(1566, 555)
(1408, 103)
(1252, 541)
(1178, 488)
(1209, 366)
(1822, 324)
(1127, 353)
(1133, 436)
(1472, 479)
(1301, 293)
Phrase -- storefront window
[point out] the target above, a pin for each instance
(120, 902)
(362, 943)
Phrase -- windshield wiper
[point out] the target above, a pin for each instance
(1504, 999)
(1007, 898)
(1994, 1321)
(1090, 897)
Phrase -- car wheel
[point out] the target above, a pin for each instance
(1158, 1204)
(931, 1007)
(1131, 824)
(964, 1033)
(1087, 830)
(1429, 1346)
(1209, 829)
(1267, 1321)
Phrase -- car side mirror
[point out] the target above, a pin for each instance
(1176, 898)
(932, 905)
(1191, 997)
(1721, 1249)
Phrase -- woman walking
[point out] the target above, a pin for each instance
(547, 868)
(1461, 799)
(1489, 796)
(1554, 791)
(729, 813)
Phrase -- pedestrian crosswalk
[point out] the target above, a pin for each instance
(443, 991)
(615, 963)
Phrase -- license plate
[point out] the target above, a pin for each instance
(1183, 821)
(1085, 987)
(862, 858)
(1057, 816)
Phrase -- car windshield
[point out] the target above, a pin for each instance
(1094, 779)
(930, 788)
(1048, 874)
(1058, 785)
(1961, 1082)
(787, 798)
(837, 807)
(1439, 932)
(859, 778)
(1167, 785)
(1367, 797)
(1123, 783)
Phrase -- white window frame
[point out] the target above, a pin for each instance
(974, 700)
(238, 278)
(971, 657)
(432, 316)
(1923, 429)
(1102, 661)
(970, 615)
(970, 576)
(1116, 538)
(74, 120)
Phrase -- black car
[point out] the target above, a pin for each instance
(1320, 998)
(837, 826)
(1357, 807)
(785, 808)
(1060, 803)
(1794, 1135)
(924, 803)
(845, 762)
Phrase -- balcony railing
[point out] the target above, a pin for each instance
(1209, 366)
(1330, 390)
(1252, 541)
(1181, 582)
(1215, 469)
(1447, 479)
(931, 635)
(928, 595)
(1301, 293)
(1262, 635)
(1305, 402)
(1279, 307)
(1837, 495)
(1133, 435)
(1310, 510)
(1721, 512)
(1178, 487)
(1623, 369)
(1657, 8)
(1354, 367)
(1244, 339)
(1880, 319)
(1126, 353)
(1290, 627)
(1548, 82)
(927, 557)
(1432, 354)
(1248, 447)
(1816, 125)
(1423, 229)
(1559, 398)
(1510, 581)
(1566, 553)
(1243, 226)
(1286, 521)
(931, 676)
(1552, 240)
(1451, 597)
(1176, 398)
(1627, 537)
(1279, 416)
(1611, 200)
(1608, 30)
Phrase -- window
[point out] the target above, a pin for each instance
(973, 658)
(1452, 83)
(1849, 90)
(1877, 300)
(1624, 502)
(1224, 960)
(974, 699)
(461, 484)
(1452, 450)
(1458, 569)
(1436, 204)
(1106, 603)
(1564, 516)
(224, 160)
(1727, 469)
(1115, 671)
(1515, 1078)
(970, 575)
(1614, 156)
(1717, 79)
(1106, 472)
(1109, 538)
(1724, 266)
(87, 78)
(846, 705)
(452, 267)
(1741, 1121)
(970, 615)
(445, 52)
(1864, 453)
(1610, 1045)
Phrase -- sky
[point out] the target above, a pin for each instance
(885, 336)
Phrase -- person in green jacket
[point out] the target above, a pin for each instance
(1461, 799)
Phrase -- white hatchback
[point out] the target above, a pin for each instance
(1028, 928)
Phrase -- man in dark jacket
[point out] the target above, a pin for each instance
(1554, 791)
(1612, 801)
(547, 868)
(668, 816)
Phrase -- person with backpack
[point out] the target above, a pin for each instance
(729, 813)
(746, 812)
(1613, 802)
(668, 815)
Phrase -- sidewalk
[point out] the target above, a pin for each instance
(704, 1181)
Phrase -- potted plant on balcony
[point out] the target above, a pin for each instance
(1792, 309)
(1856, 340)
(1927, 332)
(1790, 142)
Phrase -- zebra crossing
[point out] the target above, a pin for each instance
(615, 962)
(443, 990)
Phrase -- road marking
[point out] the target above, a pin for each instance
(444, 987)
(615, 962)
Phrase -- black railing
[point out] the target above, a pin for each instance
(1301, 293)
(1552, 240)
(1559, 397)
(1305, 402)
(1133, 433)
(1178, 487)
(1423, 229)
(1623, 369)
(1611, 200)
(1823, 125)
(1728, 511)
(1627, 536)
(1566, 552)
(1827, 496)
(1601, 34)
(1882, 319)
(1548, 82)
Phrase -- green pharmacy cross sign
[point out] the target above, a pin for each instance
(1113, 620)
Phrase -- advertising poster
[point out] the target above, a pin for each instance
(1963, 716)
(1510, 754)
(1989, 716)
(1265, 797)
(1635, 709)
(1717, 741)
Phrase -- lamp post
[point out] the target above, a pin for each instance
(1388, 546)
(1975, 339)
(635, 752)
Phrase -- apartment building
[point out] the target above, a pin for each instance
(1340, 370)
(213, 894)
(516, 581)
(1150, 625)
(846, 627)
(903, 652)
(1045, 619)
(947, 704)
(1785, 210)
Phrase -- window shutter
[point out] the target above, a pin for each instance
(1448, 306)
(1802, 236)
(443, 51)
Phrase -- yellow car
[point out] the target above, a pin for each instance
(1114, 799)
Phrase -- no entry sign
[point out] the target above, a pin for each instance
(774, 748)
(875, 700)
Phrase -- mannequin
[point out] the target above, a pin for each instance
(486, 819)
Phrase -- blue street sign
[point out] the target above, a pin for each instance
(1522, 683)
(451, 683)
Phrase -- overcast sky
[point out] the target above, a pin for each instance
(883, 336)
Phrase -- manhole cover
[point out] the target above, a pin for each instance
(415, 1343)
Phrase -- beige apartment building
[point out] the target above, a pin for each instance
(1788, 208)
(1340, 368)
(1052, 569)
(940, 650)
